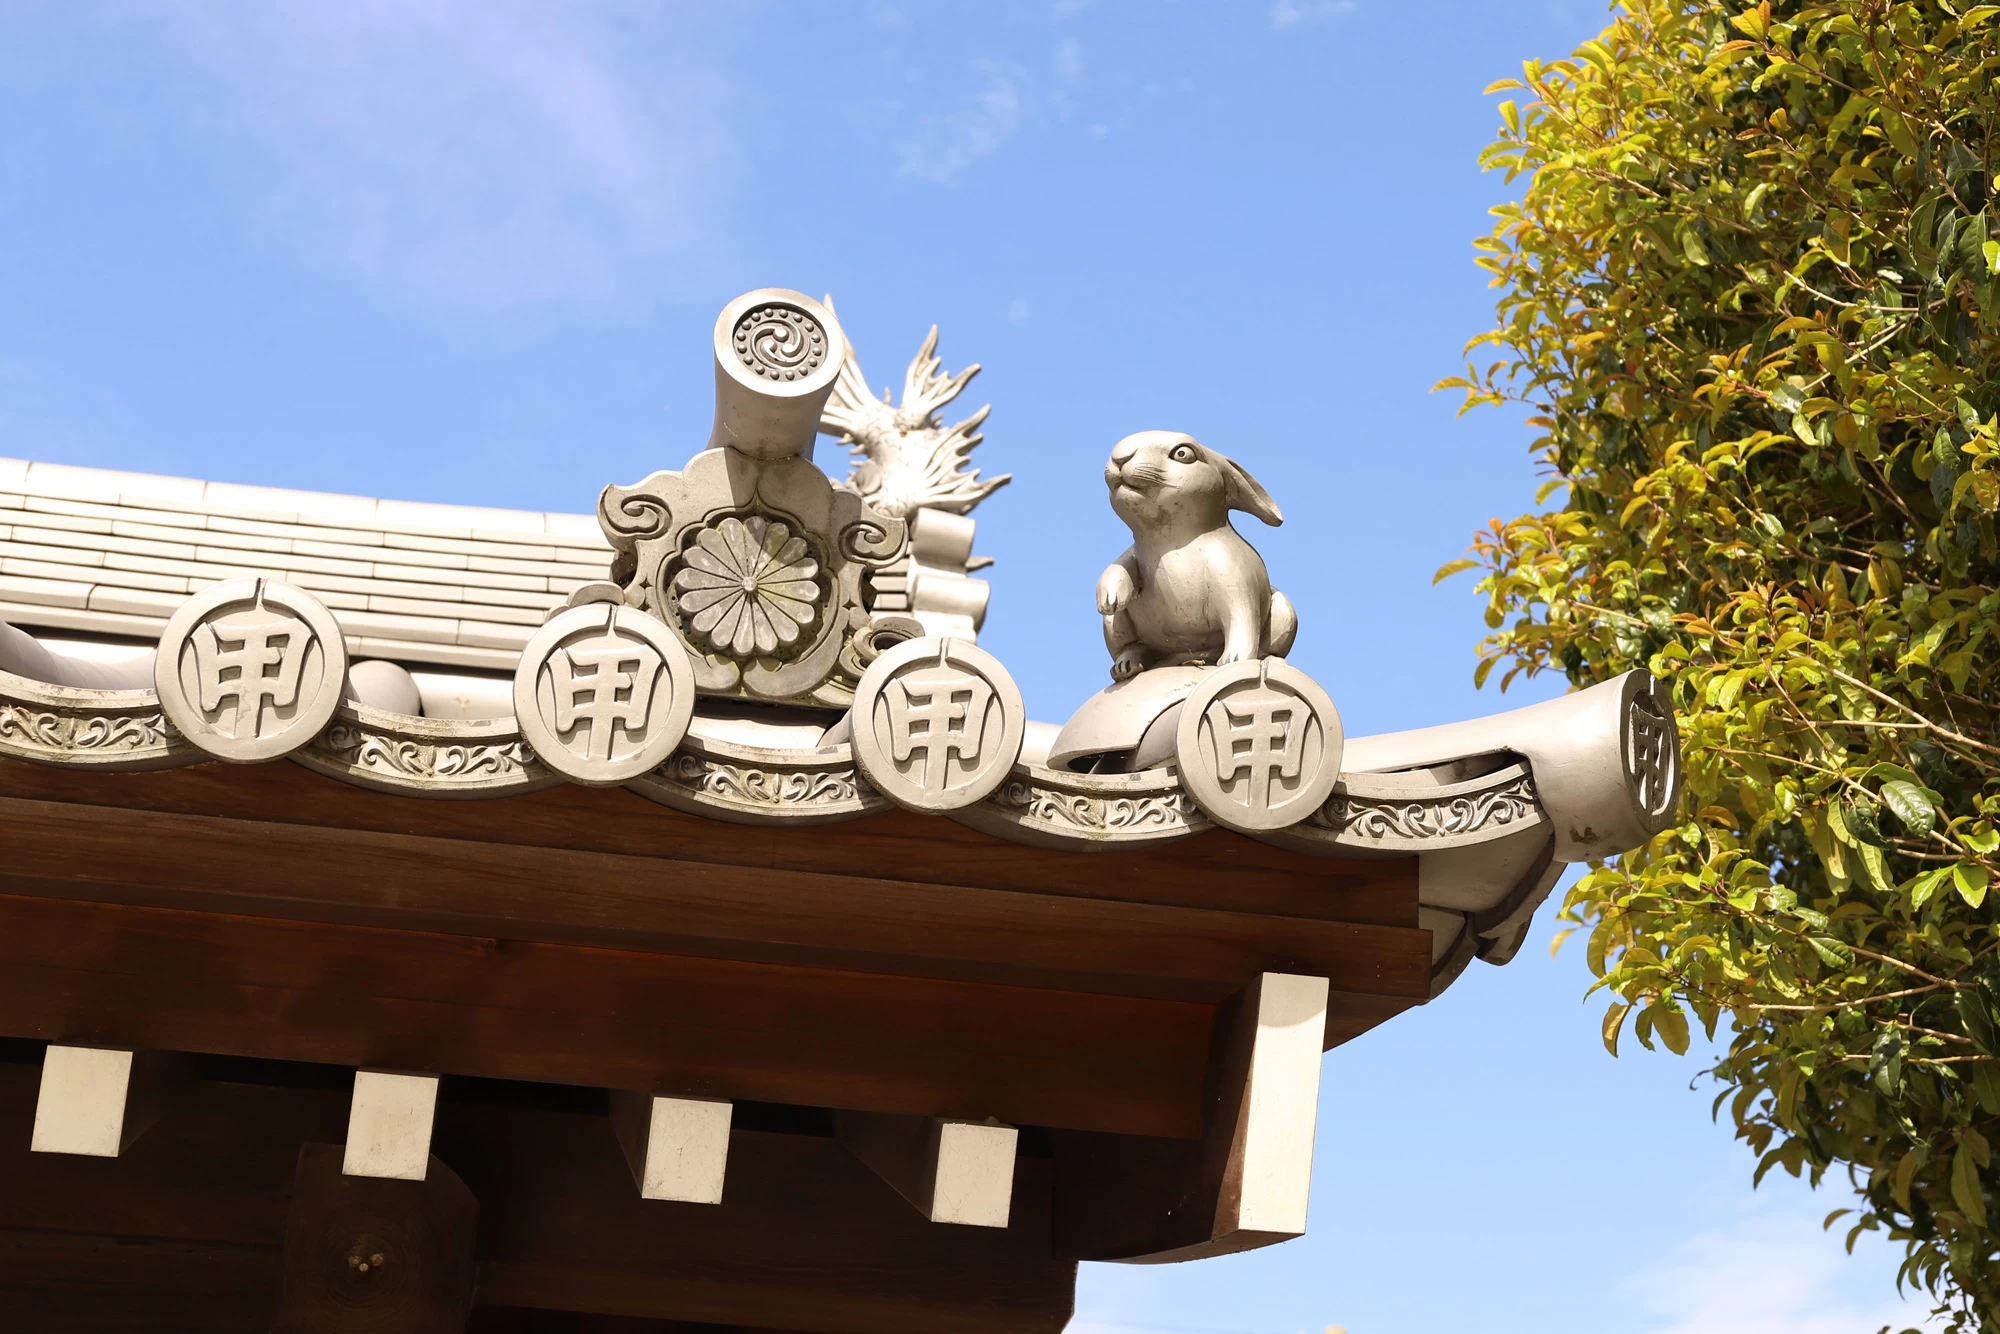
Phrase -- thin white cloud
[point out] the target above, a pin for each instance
(1008, 96)
(1772, 1271)
(1292, 13)
(1069, 60)
(945, 145)
(483, 154)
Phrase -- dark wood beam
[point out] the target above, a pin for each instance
(84, 1283)
(806, 1238)
(526, 1320)
(187, 1230)
(361, 996)
(875, 916)
(1216, 869)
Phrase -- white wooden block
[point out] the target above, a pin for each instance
(389, 1125)
(81, 1108)
(974, 1179)
(952, 1171)
(1270, 1167)
(97, 1100)
(677, 1148)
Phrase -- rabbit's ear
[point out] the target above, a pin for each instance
(1243, 492)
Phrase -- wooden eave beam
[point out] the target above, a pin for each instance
(874, 923)
(266, 911)
(364, 996)
(1215, 869)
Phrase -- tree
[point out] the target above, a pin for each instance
(1749, 294)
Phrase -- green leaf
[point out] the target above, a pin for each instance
(1451, 567)
(1966, 1191)
(1596, 947)
(1910, 805)
(1986, 1085)
(1971, 879)
(1900, 136)
(1670, 1021)
(1729, 689)
(1859, 817)
(1974, 1015)
(1906, 1171)
(1787, 1108)
(1828, 846)
(1614, 1020)
(1984, 488)
(1957, 667)
(1877, 868)
(1831, 952)
(1923, 888)
(1885, 1062)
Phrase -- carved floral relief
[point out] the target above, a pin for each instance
(748, 586)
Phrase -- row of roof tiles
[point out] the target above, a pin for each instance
(111, 553)
(274, 504)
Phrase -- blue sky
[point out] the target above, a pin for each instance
(471, 251)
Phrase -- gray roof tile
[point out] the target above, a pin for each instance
(113, 553)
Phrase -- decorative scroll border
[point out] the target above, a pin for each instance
(1053, 808)
(751, 785)
(430, 757)
(115, 730)
(1410, 813)
(1428, 819)
(425, 757)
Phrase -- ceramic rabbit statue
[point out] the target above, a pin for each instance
(1189, 589)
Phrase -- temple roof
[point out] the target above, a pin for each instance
(895, 901)
(114, 553)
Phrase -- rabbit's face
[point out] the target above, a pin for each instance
(1166, 483)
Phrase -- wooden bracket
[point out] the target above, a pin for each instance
(1245, 1183)
(95, 1101)
(391, 1257)
(952, 1171)
(677, 1148)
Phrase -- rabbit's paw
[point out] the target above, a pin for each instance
(1114, 591)
(1128, 664)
